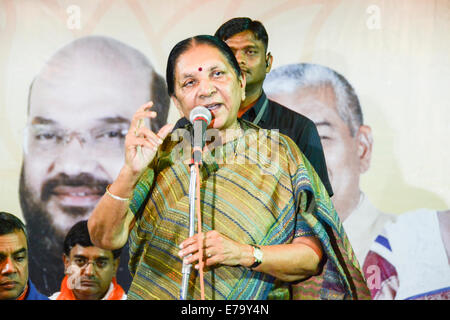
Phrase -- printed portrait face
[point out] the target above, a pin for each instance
(80, 107)
(78, 120)
(346, 156)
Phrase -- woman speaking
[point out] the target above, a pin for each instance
(263, 223)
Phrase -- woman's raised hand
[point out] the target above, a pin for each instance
(141, 144)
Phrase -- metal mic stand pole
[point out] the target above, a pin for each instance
(199, 140)
(186, 269)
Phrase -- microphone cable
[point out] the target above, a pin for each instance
(200, 233)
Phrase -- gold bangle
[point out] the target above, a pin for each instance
(114, 196)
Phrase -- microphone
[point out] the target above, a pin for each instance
(200, 118)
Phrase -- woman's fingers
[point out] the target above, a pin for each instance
(146, 143)
(138, 128)
(193, 240)
(141, 143)
(208, 258)
(138, 119)
(142, 113)
(146, 133)
(146, 106)
(165, 130)
(216, 249)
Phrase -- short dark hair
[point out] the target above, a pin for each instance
(238, 25)
(79, 234)
(9, 223)
(185, 44)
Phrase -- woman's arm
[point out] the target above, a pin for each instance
(287, 262)
(111, 220)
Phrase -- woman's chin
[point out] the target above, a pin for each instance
(216, 124)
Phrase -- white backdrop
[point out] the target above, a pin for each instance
(395, 53)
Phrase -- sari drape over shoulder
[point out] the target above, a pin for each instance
(255, 189)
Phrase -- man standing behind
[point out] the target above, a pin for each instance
(248, 40)
(80, 107)
(14, 282)
(90, 271)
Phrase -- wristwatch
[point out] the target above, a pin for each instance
(258, 255)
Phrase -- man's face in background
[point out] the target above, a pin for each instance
(13, 265)
(78, 116)
(346, 156)
(80, 107)
(251, 55)
(96, 268)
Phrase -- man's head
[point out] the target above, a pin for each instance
(80, 106)
(13, 257)
(329, 100)
(248, 40)
(90, 269)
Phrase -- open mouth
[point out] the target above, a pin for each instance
(213, 106)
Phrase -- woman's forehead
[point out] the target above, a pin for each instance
(200, 58)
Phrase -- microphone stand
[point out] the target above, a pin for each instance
(186, 269)
(199, 128)
(200, 117)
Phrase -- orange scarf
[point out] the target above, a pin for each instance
(67, 294)
(24, 294)
(242, 111)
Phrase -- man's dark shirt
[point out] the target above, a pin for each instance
(292, 124)
(297, 127)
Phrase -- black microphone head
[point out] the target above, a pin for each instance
(200, 113)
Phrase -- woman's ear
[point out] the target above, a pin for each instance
(177, 105)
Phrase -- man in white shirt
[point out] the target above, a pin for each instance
(403, 257)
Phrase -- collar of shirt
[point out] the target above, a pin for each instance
(253, 112)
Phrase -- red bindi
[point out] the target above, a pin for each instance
(200, 69)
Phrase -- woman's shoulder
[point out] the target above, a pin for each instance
(273, 134)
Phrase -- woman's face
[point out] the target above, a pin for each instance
(204, 77)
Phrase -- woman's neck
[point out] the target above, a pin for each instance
(231, 133)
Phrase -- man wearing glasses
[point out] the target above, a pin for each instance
(90, 271)
(80, 106)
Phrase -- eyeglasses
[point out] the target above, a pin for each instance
(107, 139)
(83, 263)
